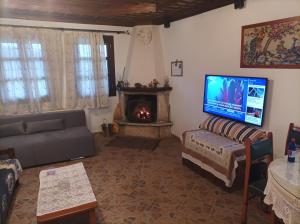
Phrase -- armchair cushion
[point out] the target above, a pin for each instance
(10, 170)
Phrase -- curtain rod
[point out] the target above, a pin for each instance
(72, 29)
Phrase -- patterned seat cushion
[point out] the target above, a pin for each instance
(12, 164)
(9, 173)
(219, 153)
(232, 129)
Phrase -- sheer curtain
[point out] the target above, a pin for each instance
(46, 70)
(30, 70)
(86, 70)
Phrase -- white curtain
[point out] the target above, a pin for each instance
(46, 70)
(30, 70)
(86, 70)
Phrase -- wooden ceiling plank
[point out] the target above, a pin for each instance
(107, 12)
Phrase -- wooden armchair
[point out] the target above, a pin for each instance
(258, 157)
(10, 152)
(293, 132)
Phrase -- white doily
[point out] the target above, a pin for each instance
(285, 205)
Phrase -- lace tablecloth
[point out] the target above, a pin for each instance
(63, 188)
(283, 189)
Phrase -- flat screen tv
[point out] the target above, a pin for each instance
(234, 97)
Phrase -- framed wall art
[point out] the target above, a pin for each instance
(176, 68)
(274, 44)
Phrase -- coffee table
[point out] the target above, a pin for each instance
(64, 192)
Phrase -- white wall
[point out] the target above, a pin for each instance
(210, 43)
(121, 43)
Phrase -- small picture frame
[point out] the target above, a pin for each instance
(176, 68)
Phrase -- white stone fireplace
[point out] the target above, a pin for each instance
(145, 112)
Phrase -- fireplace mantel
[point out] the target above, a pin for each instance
(145, 90)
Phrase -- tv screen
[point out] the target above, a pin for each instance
(238, 98)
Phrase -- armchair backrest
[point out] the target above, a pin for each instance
(260, 151)
(261, 148)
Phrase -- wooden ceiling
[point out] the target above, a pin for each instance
(107, 12)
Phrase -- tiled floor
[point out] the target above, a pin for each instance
(142, 186)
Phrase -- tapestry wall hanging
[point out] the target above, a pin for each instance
(274, 44)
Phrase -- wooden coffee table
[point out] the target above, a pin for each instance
(65, 192)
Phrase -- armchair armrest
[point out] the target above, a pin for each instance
(10, 152)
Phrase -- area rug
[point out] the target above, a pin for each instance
(134, 143)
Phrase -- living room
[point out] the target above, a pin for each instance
(134, 185)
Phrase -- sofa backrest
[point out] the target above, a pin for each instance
(73, 118)
(232, 129)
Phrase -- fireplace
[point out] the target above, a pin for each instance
(145, 112)
(141, 108)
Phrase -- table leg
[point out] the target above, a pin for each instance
(92, 216)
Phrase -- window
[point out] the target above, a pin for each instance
(85, 81)
(36, 68)
(85, 72)
(23, 75)
(110, 63)
(12, 69)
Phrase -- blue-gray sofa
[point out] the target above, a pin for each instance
(47, 137)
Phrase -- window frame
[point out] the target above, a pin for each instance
(32, 59)
(109, 42)
(80, 77)
(21, 79)
(29, 59)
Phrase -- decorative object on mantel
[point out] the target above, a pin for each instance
(153, 84)
(177, 68)
(126, 83)
(274, 44)
(138, 85)
(166, 82)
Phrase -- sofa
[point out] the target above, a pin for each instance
(218, 147)
(10, 170)
(47, 137)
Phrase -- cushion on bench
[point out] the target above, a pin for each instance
(214, 153)
(232, 129)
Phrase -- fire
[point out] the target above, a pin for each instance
(143, 114)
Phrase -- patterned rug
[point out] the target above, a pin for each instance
(143, 187)
(134, 143)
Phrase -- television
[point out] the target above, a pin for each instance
(238, 98)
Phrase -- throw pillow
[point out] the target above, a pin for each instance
(44, 126)
(12, 129)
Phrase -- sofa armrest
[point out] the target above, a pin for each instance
(10, 152)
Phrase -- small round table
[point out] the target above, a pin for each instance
(283, 189)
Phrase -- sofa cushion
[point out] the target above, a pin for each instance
(12, 129)
(44, 126)
(232, 129)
